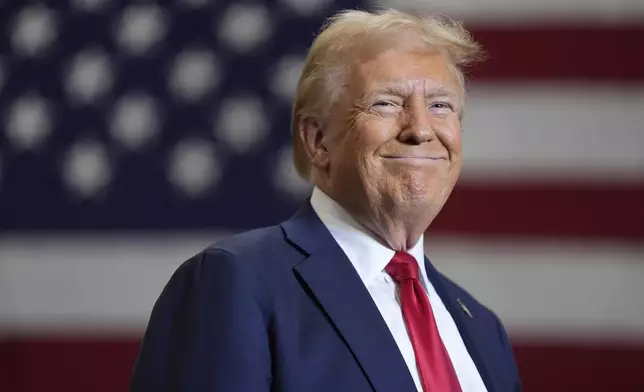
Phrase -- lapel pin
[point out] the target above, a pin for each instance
(464, 308)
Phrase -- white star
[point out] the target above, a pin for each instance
(193, 167)
(286, 75)
(89, 77)
(90, 5)
(244, 26)
(140, 28)
(194, 74)
(307, 7)
(242, 123)
(286, 178)
(34, 30)
(28, 122)
(86, 170)
(135, 120)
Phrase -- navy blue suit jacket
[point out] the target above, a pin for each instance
(282, 309)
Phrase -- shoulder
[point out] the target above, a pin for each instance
(256, 257)
(263, 249)
(233, 270)
(246, 245)
(249, 243)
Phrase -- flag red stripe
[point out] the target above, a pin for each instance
(552, 210)
(602, 53)
(104, 365)
(591, 367)
(66, 365)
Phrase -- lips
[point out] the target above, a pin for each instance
(414, 157)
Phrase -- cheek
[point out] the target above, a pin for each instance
(371, 132)
(362, 144)
(450, 133)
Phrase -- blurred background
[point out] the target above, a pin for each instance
(135, 133)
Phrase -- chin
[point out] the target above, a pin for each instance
(421, 186)
(426, 198)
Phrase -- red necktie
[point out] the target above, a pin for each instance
(434, 365)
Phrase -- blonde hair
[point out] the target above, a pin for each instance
(345, 34)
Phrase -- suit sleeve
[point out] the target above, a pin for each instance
(511, 361)
(207, 331)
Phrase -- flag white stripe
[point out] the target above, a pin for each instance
(547, 289)
(522, 12)
(535, 132)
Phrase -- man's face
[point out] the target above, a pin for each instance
(394, 139)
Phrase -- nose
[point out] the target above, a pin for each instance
(416, 123)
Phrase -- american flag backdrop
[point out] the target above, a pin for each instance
(135, 133)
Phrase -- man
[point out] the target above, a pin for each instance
(340, 296)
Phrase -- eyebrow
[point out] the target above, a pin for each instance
(443, 91)
(404, 90)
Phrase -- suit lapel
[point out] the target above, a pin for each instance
(336, 285)
(464, 323)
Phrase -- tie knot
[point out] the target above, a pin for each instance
(402, 266)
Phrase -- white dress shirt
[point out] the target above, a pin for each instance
(369, 257)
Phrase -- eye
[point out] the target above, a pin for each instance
(442, 105)
(441, 109)
(386, 107)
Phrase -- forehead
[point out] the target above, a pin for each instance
(409, 70)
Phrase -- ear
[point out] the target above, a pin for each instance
(311, 132)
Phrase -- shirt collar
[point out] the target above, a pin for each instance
(368, 256)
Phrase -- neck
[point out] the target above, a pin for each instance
(398, 228)
(398, 232)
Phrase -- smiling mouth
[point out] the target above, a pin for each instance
(411, 157)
